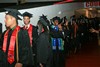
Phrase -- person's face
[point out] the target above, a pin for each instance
(56, 22)
(73, 22)
(26, 20)
(59, 26)
(66, 23)
(40, 27)
(8, 20)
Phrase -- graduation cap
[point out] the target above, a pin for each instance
(56, 18)
(27, 14)
(64, 19)
(73, 19)
(13, 12)
(45, 18)
(51, 22)
(42, 21)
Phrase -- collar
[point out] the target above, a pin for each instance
(27, 25)
(13, 28)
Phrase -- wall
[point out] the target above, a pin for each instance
(51, 11)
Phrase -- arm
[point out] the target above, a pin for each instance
(94, 31)
(34, 41)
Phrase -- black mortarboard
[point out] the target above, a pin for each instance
(73, 19)
(42, 21)
(64, 19)
(14, 13)
(45, 19)
(56, 18)
(27, 14)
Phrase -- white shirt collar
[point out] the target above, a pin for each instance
(28, 25)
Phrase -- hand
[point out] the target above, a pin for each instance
(18, 65)
(60, 27)
(41, 65)
(92, 30)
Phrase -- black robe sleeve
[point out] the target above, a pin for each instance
(34, 34)
(25, 51)
(3, 60)
(1, 40)
(34, 41)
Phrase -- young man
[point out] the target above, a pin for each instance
(32, 32)
(16, 42)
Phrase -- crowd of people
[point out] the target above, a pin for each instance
(45, 45)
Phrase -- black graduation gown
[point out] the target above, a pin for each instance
(67, 39)
(2, 59)
(44, 49)
(34, 40)
(56, 34)
(82, 33)
(58, 55)
(24, 49)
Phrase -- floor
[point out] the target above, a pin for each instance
(88, 56)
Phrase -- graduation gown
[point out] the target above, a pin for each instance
(2, 59)
(34, 41)
(34, 37)
(67, 39)
(24, 49)
(44, 49)
(32, 31)
(57, 46)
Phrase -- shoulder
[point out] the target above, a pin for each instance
(34, 27)
(44, 35)
(3, 33)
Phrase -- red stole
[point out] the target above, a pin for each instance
(11, 48)
(30, 33)
(75, 29)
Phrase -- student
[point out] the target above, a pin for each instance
(32, 32)
(57, 42)
(44, 49)
(16, 42)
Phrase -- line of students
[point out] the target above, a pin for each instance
(28, 46)
(44, 45)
